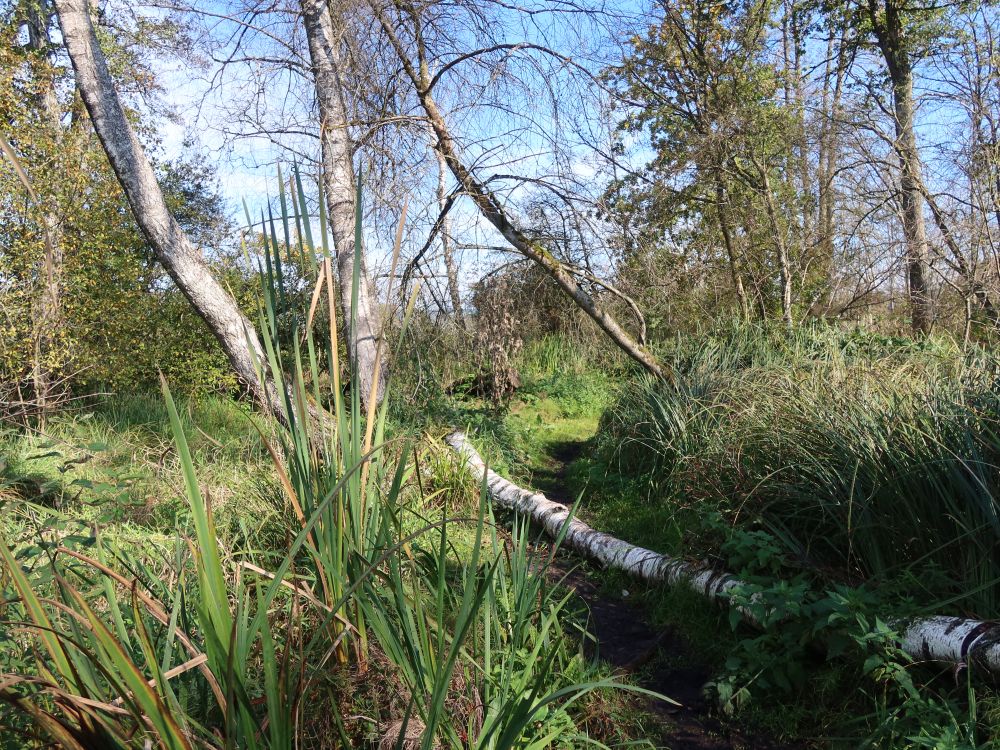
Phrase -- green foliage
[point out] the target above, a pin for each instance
(557, 369)
(216, 645)
(869, 459)
(119, 317)
(703, 95)
(843, 475)
(905, 709)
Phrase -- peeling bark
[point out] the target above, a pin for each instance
(955, 640)
(589, 542)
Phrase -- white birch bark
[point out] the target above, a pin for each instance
(610, 551)
(361, 317)
(955, 640)
(174, 250)
(449, 257)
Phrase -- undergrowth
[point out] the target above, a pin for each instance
(350, 599)
(851, 480)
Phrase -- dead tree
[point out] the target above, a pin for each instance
(413, 58)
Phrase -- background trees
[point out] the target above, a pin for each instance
(82, 298)
(757, 159)
(757, 125)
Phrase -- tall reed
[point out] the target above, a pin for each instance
(230, 648)
(871, 459)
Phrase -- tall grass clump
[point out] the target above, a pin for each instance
(871, 459)
(221, 647)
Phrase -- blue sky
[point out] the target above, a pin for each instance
(497, 141)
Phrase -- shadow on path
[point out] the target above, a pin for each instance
(654, 657)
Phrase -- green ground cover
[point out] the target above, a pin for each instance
(780, 459)
(858, 471)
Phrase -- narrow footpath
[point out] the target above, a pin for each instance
(648, 655)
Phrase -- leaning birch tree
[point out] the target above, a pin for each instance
(182, 260)
(403, 25)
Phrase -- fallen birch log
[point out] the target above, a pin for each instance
(955, 640)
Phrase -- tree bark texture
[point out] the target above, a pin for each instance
(361, 316)
(887, 24)
(449, 257)
(722, 209)
(48, 316)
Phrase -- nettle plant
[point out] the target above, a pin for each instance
(798, 626)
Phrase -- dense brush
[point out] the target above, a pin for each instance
(871, 458)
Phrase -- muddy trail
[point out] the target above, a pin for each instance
(655, 657)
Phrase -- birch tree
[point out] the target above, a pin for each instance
(182, 260)
(403, 26)
(360, 310)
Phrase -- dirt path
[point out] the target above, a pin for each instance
(655, 658)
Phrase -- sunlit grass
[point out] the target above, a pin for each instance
(215, 636)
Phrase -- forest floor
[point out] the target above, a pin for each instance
(656, 656)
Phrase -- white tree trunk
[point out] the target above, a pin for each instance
(174, 250)
(454, 291)
(610, 551)
(338, 183)
(946, 639)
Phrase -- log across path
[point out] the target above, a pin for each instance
(955, 640)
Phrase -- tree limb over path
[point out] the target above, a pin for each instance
(418, 72)
(955, 640)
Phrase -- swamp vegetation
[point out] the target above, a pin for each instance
(720, 279)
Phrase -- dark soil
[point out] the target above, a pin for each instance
(654, 657)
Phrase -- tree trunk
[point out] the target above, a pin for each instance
(587, 541)
(179, 257)
(449, 258)
(807, 226)
(493, 212)
(974, 287)
(797, 154)
(784, 263)
(361, 315)
(722, 207)
(913, 214)
(956, 640)
(888, 28)
(828, 153)
(48, 315)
